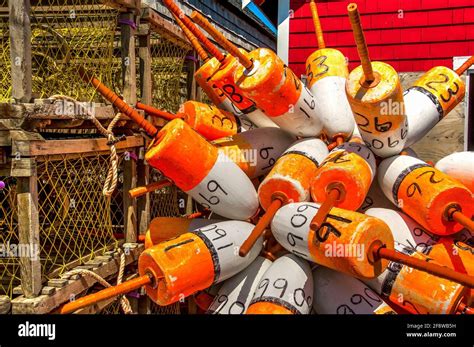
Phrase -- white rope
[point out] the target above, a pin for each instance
(124, 302)
(112, 174)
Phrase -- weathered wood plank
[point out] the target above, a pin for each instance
(52, 147)
(20, 49)
(55, 110)
(127, 34)
(5, 304)
(129, 204)
(30, 264)
(123, 5)
(47, 303)
(165, 28)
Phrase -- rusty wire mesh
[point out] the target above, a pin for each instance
(65, 34)
(9, 265)
(168, 73)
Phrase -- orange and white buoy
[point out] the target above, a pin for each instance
(416, 291)
(436, 201)
(285, 288)
(194, 261)
(207, 120)
(338, 293)
(343, 243)
(263, 77)
(343, 179)
(165, 228)
(200, 170)
(412, 237)
(406, 232)
(326, 74)
(221, 97)
(376, 98)
(293, 172)
(288, 181)
(256, 151)
(460, 166)
(235, 294)
(431, 98)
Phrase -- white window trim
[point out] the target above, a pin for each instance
(457, 62)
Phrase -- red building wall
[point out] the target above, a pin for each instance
(428, 32)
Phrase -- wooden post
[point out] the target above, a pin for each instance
(128, 57)
(20, 49)
(28, 226)
(143, 170)
(23, 167)
(129, 204)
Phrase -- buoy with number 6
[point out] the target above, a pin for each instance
(200, 170)
(285, 288)
(338, 293)
(235, 294)
(440, 204)
(376, 98)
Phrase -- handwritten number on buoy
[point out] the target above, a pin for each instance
(432, 174)
(212, 186)
(363, 126)
(382, 127)
(329, 229)
(229, 89)
(412, 189)
(282, 284)
(222, 120)
(264, 283)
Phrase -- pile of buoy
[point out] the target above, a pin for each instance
(318, 206)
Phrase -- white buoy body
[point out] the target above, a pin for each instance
(422, 114)
(255, 117)
(288, 283)
(235, 294)
(392, 170)
(405, 231)
(223, 241)
(227, 191)
(338, 293)
(375, 198)
(460, 166)
(303, 118)
(256, 151)
(430, 99)
(336, 113)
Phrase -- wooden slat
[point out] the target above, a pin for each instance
(123, 5)
(52, 147)
(165, 28)
(28, 225)
(20, 49)
(47, 303)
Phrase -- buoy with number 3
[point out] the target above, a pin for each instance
(326, 75)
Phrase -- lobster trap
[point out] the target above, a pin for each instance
(64, 34)
(76, 222)
(57, 161)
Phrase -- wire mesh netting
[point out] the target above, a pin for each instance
(76, 221)
(5, 72)
(9, 265)
(75, 217)
(168, 74)
(164, 201)
(64, 35)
